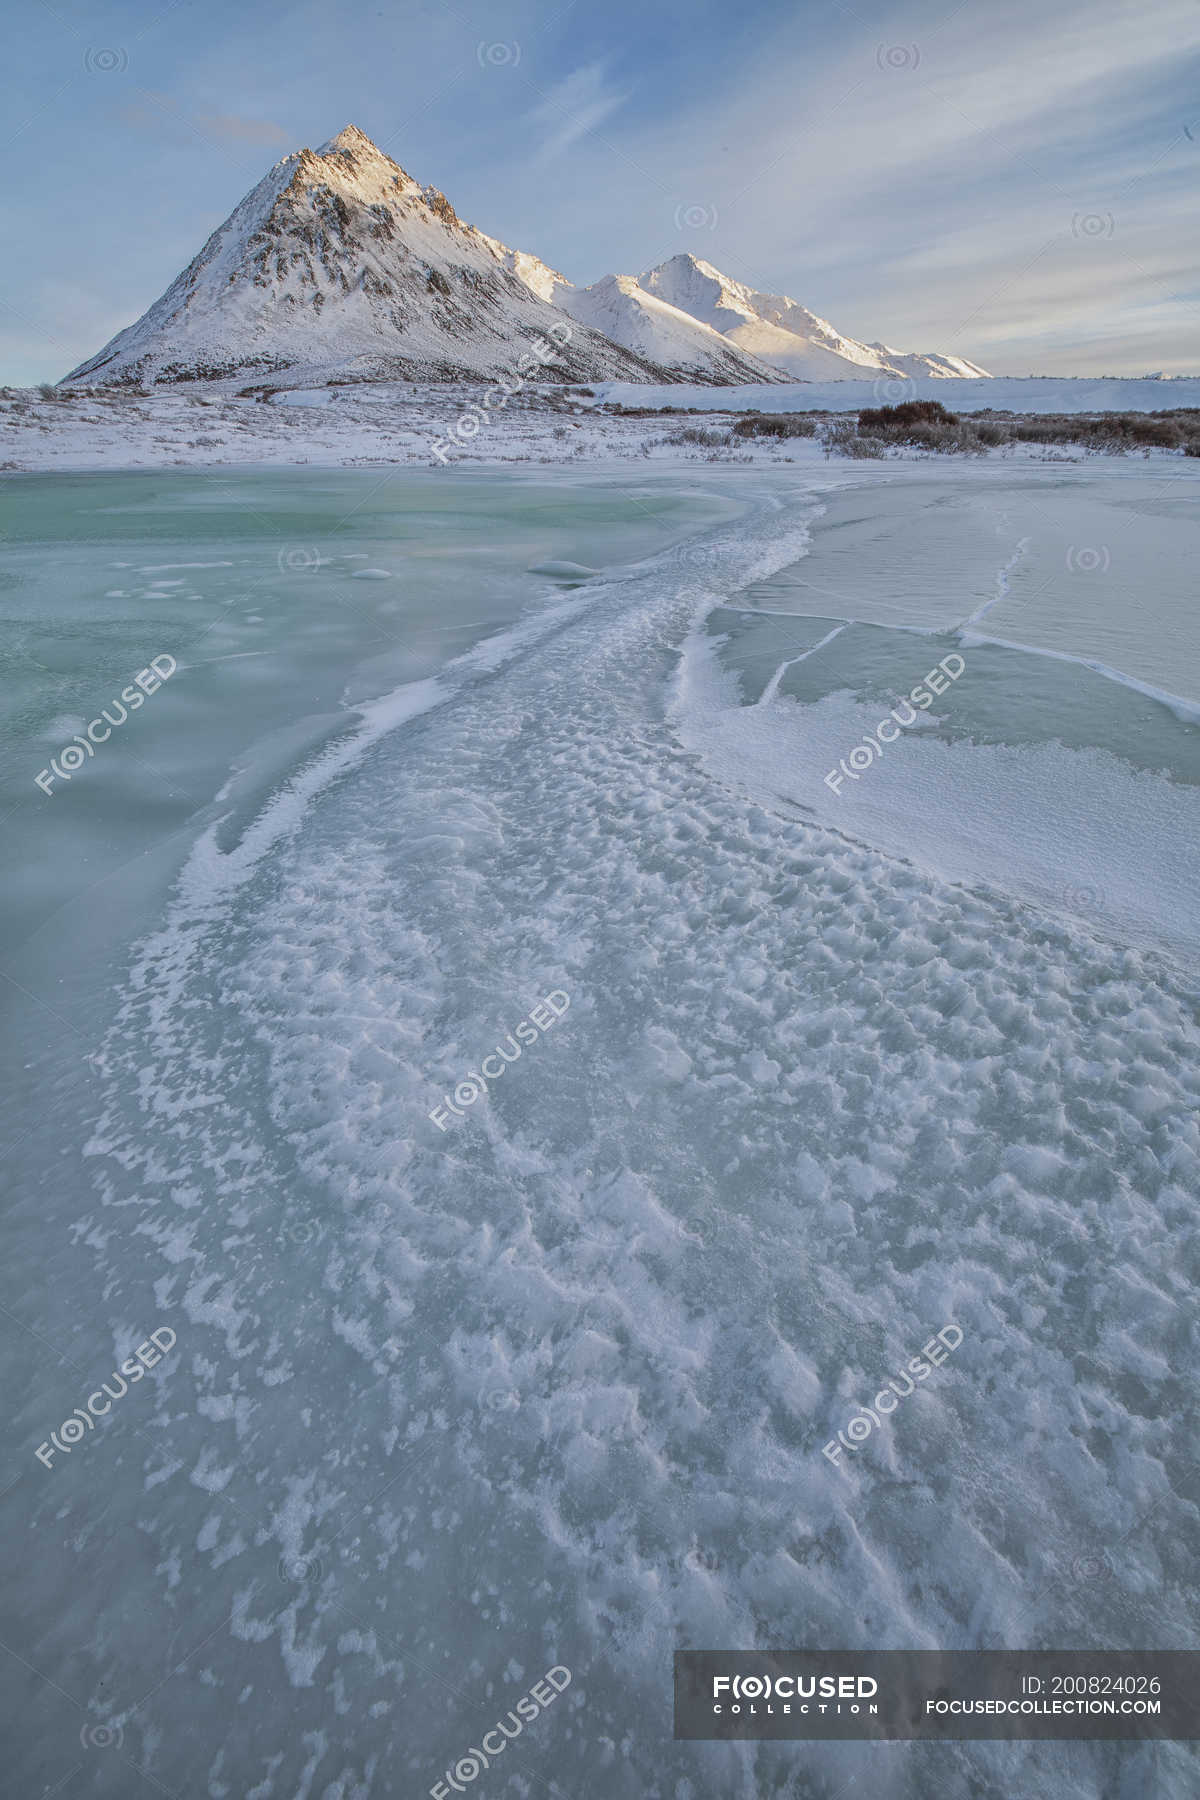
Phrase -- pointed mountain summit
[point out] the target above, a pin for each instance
(351, 138)
(338, 262)
(778, 330)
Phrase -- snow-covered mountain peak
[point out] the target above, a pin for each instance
(777, 329)
(626, 312)
(352, 139)
(697, 287)
(339, 259)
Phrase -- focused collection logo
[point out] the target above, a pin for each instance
(864, 754)
(495, 1741)
(72, 756)
(474, 1086)
(73, 1430)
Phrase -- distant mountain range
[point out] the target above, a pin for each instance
(339, 265)
(776, 330)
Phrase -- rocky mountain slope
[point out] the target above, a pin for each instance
(339, 263)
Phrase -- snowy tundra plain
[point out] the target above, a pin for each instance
(296, 419)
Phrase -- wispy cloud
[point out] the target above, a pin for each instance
(577, 104)
(245, 131)
(1014, 182)
(156, 112)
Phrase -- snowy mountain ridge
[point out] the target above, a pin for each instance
(339, 265)
(642, 322)
(778, 330)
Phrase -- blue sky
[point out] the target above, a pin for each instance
(1014, 181)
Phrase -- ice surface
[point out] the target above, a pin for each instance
(553, 1386)
(1084, 562)
(564, 571)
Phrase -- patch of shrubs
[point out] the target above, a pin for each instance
(1112, 431)
(775, 425)
(925, 424)
(697, 434)
(907, 414)
(843, 438)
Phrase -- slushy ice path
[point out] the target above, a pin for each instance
(550, 1387)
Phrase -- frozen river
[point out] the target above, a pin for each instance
(477, 1374)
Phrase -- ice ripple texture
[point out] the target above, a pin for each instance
(553, 1386)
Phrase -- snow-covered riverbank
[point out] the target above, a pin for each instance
(212, 424)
